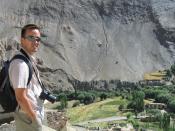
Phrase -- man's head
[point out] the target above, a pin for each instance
(30, 38)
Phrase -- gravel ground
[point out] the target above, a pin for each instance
(56, 120)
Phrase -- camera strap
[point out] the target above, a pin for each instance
(30, 62)
(39, 81)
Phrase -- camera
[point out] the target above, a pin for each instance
(45, 94)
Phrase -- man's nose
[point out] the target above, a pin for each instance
(36, 42)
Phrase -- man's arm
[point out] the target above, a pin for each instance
(24, 102)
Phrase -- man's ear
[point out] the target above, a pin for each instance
(22, 40)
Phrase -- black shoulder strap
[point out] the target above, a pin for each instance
(27, 61)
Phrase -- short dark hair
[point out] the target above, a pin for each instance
(28, 27)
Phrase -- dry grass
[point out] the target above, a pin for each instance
(102, 109)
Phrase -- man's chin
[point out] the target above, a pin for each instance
(35, 50)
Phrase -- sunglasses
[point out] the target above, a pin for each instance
(33, 38)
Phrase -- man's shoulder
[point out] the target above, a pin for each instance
(30, 57)
(18, 63)
(17, 60)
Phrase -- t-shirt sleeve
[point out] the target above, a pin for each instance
(18, 73)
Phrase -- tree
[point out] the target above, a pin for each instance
(81, 97)
(168, 73)
(133, 121)
(163, 97)
(171, 105)
(88, 99)
(165, 121)
(103, 96)
(121, 107)
(137, 103)
(63, 101)
(173, 69)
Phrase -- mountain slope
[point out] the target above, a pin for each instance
(93, 39)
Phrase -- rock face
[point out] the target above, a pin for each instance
(93, 39)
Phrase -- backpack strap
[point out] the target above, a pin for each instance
(27, 61)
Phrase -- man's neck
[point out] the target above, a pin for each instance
(29, 54)
(22, 50)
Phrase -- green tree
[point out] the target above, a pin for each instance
(88, 99)
(168, 73)
(63, 101)
(81, 97)
(173, 69)
(137, 102)
(133, 121)
(165, 121)
(171, 105)
(121, 107)
(163, 97)
(103, 96)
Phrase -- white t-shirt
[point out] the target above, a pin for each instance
(18, 74)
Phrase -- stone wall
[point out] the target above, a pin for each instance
(8, 127)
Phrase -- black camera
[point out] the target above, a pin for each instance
(45, 94)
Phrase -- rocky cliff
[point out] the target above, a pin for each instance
(93, 39)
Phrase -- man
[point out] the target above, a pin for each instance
(30, 112)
